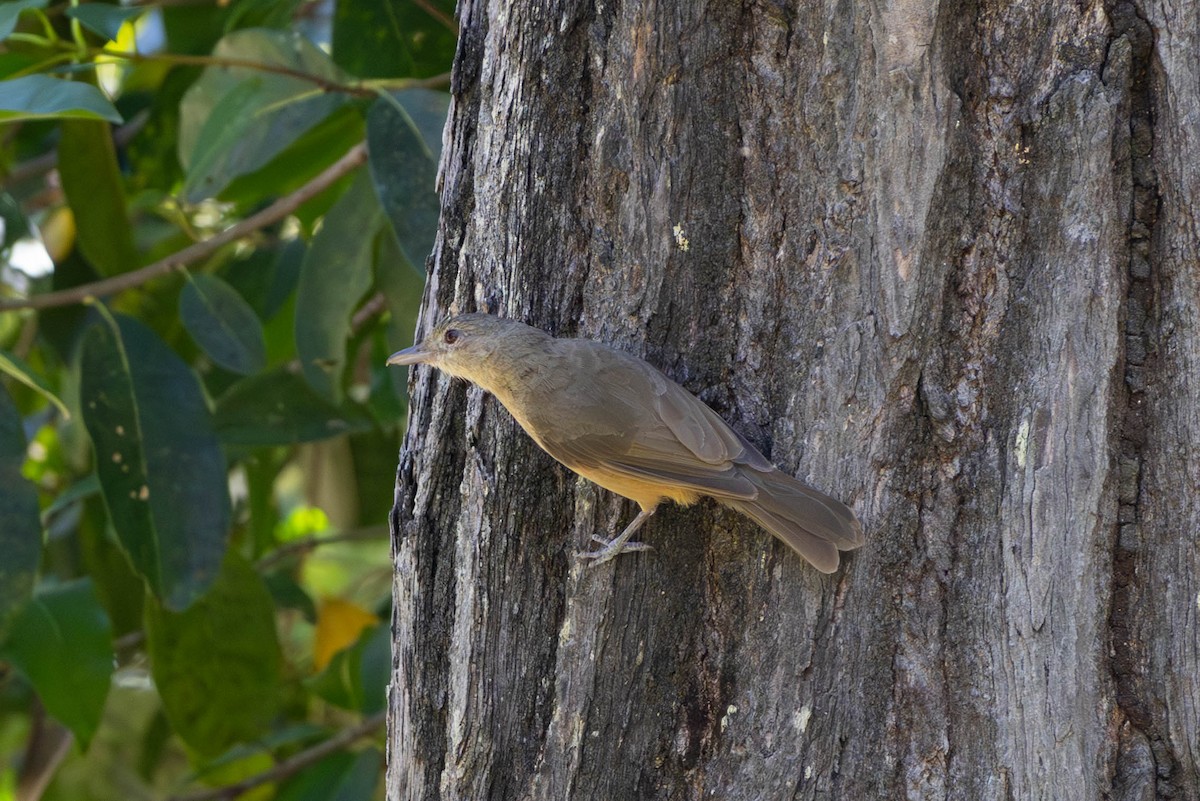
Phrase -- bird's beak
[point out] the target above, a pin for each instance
(414, 355)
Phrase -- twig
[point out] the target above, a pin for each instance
(31, 167)
(308, 543)
(437, 14)
(50, 195)
(26, 340)
(183, 59)
(358, 88)
(48, 161)
(373, 85)
(169, 3)
(374, 306)
(126, 641)
(49, 744)
(289, 766)
(281, 208)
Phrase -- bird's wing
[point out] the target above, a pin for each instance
(633, 420)
(700, 429)
(652, 467)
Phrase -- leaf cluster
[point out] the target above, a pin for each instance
(215, 221)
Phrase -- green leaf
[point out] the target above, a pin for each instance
(290, 738)
(103, 19)
(194, 30)
(42, 97)
(314, 151)
(375, 668)
(279, 408)
(261, 469)
(223, 132)
(159, 461)
(266, 277)
(16, 224)
(402, 287)
(217, 665)
(10, 13)
(356, 678)
(288, 594)
(339, 777)
(385, 40)
(252, 759)
(18, 369)
(62, 643)
(121, 591)
(263, 13)
(20, 526)
(75, 493)
(333, 279)
(87, 163)
(234, 120)
(404, 135)
(223, 324)
(426, 110)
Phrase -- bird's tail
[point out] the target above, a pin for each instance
(814, 524)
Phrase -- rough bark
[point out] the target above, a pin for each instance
(939, 259)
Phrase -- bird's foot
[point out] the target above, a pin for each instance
(611, 548)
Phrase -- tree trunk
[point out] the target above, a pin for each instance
(939, 260)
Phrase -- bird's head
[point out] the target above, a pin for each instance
(474, 347)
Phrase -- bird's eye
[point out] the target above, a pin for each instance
(451, 336)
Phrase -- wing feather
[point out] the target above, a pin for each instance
(632, 420)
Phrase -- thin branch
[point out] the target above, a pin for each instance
(169, 3)
(183, 59)
(358, 88)
(278, 210)
(49, 744)
(31, 167)
(49, 160)
(122, 135)
(130, 640)
(374, 307)
(435, 12)
(26, 339)
(49, 195)
(291, 765)
(308, 543)
(42, 66)
(439, 81)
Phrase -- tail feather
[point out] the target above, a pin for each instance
(815, 525)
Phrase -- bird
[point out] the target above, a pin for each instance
(619, 422)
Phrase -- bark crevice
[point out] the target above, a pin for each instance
(1145, 763)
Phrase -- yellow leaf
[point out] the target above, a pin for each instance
(58, 233)
(239, 769)
(339, 623)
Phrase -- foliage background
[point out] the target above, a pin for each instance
(203, 272)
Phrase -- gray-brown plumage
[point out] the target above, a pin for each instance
(614, 419)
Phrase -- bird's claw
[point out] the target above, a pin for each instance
(610, 549)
